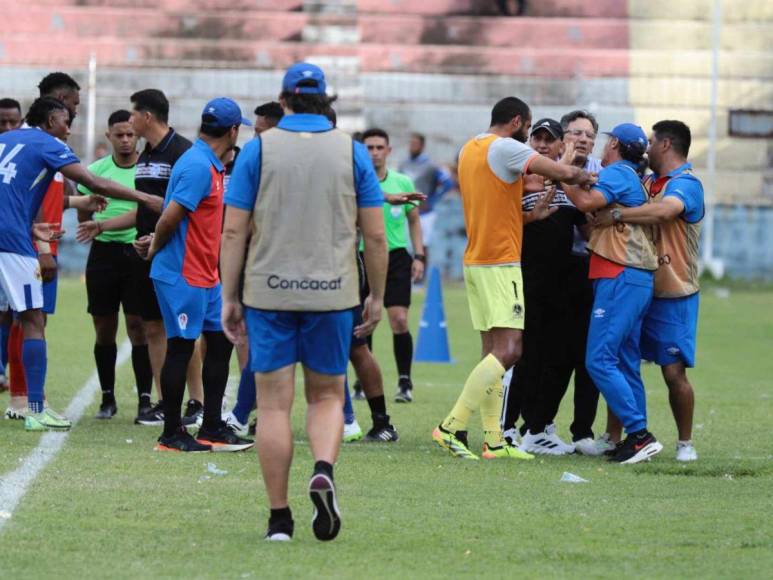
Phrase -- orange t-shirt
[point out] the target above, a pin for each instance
(52, 207)
(493, 214)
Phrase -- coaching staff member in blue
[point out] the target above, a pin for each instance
(184, 253)
(301, 190)
(622, 264)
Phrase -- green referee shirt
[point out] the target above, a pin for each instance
(107, 168)
(396, 216)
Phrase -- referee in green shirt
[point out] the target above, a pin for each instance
(403, 269)
(109, 283)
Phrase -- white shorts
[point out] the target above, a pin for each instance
(427, 225)
(21, 286)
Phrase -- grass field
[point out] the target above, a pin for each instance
(109, 506)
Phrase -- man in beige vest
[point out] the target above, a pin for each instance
(297, 195)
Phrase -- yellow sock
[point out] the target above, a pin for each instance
(485, 375)
(491, 413)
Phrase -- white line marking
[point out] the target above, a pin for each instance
(14, 485)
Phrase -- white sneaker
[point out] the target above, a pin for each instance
(685, 451)
(352, 432)
(593, 447)
(545, 443)
(16, 414)
(513, 436)
(234, 425)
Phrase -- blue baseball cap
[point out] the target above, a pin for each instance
(223, 112)
(629, 134)
(304, 78)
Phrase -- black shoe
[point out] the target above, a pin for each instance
(281, 531)
(382, 433)
(404, 391)
(107, 410)
(181, 441)
(359, 394)
(223, 439)
(637, 447)
(326, 521)
(611, 452)
(194, 413)
(253, 427)
(150, 415)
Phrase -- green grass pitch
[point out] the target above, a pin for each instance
(108, 506)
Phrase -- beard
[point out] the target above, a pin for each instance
(521, 135)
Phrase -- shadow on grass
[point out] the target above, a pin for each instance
(720, 470)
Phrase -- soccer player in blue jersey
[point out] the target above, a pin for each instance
(29, 158)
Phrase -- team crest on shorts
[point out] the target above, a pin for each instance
(182, 321)
(517, 311)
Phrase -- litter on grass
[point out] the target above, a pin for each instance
(572, 478)
(212, 468)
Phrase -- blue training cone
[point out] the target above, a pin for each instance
(432, 344)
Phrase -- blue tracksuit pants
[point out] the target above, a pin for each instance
(613, 357)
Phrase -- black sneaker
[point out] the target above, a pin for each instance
(637, 447)
(223, 439)
(194, 413)
(326, 521)
(359, 394)
(281, 531)
(404, 391)
(150, 415)
(611, 452)
(181, 441)
(383, 433)
(107, 410)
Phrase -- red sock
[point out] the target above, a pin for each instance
(15, 365)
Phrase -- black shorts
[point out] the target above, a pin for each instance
(146, 293)
(109, 279)
(398, 282)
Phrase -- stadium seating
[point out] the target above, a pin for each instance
(433, 66)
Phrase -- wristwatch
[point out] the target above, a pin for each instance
(617, 215)
(421, 258)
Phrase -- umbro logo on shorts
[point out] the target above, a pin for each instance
(673, 350)
(182, 321)
(599, 313)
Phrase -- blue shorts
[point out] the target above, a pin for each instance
(188, 310)
(669, 331)
(49, 292)
(320, 341)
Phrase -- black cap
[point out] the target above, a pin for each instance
(550, 125)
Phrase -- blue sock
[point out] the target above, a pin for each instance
(245, 396)
(5, 331)
(35, 361)
(348, 408)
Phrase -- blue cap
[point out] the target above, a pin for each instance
(223, 112)
(304, 78)
(629, 134)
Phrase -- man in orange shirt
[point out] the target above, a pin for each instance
(491, 170)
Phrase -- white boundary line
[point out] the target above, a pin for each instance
(14, 485)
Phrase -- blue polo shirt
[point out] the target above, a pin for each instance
(620, 183)
(688, 189)
(29, 159)
(192, 252)
(245, 180)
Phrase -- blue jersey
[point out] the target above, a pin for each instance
(29, 158)
(192, 252)
(245, 180)
(620, 183)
